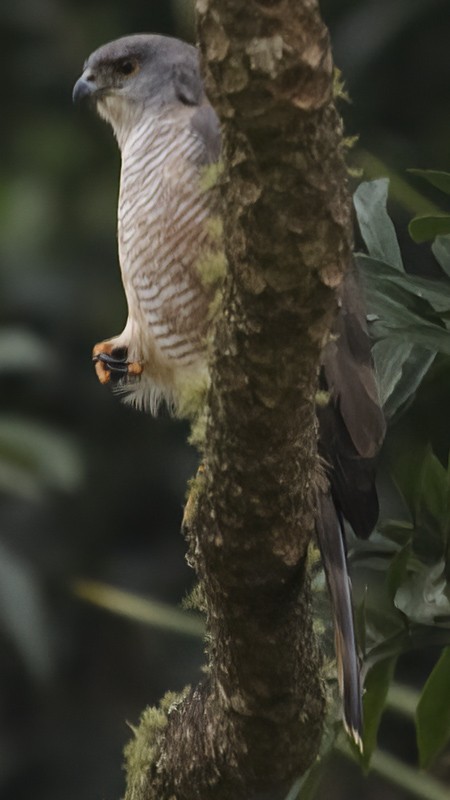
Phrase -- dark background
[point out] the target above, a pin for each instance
(89, 488)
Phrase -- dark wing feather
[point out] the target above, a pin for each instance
(351, 425)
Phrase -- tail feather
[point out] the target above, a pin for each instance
(332, 546)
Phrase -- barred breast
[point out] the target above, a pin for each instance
(162, 232)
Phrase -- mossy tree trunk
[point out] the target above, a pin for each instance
(257, 720)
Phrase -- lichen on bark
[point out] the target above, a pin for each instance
(256, 721)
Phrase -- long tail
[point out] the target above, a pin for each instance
(332, 546)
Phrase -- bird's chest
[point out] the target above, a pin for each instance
(157, 198)
(162, 233)
(140, 210)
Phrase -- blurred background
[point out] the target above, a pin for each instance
(91, 492)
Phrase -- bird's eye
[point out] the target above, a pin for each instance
(127, 67)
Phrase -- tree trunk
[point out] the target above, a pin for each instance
(256, 721)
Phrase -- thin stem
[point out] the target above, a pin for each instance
(418, 784)
(140, 609)
(409, 778)
(403, 699)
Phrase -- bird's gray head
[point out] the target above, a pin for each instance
(140, 73)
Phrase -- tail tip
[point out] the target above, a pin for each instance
(355, 734)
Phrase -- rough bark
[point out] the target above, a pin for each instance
(256, 721)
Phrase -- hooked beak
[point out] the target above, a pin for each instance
(84, 87)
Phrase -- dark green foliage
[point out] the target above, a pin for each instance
(410, 603)
(376, 685)
(70, 674)
(400, 575)
(408, 314)
(425, 228)
(433, 712)
(375, 225)
(441, 180)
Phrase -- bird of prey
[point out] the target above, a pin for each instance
(150, 90)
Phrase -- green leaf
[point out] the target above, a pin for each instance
(441, 180)
(41, 454)
(424, 482)
(407, 471)
(407, 326)
(435, 292)
(425, 485)
(18, 480)
(441, 252)
(415, 637)
(382, 276)
(433, 712)
(396, 573)
(377, 543)
(414, 370)
(422, 598)
(397, 531)
(435, 489)
(376, 688)
(375, 224)
(389, 355)
(23, 351)
(395, 318)
(23, 613)
(426, 228)
(400, 366)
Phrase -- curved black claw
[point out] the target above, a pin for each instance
(116, 362)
